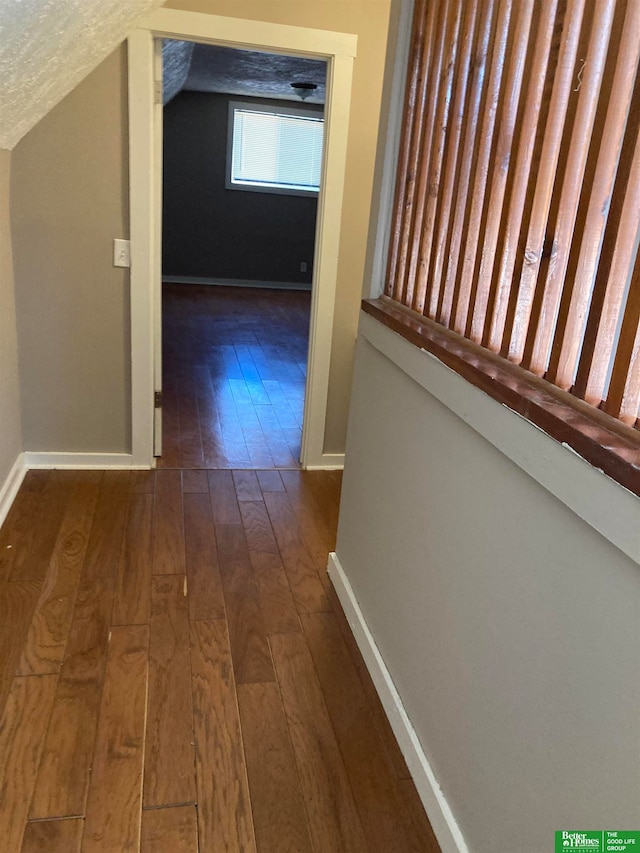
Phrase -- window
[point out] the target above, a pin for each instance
(515, 228)
(274, 150)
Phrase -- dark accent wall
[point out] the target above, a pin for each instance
(210, 231)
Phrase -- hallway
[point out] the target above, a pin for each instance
(177, 674)
(234, 366)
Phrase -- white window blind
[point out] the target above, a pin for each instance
(273, 150)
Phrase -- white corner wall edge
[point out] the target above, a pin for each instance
(81, 461)
(438, 811)
(9, 489)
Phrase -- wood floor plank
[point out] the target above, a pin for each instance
(304, 580)
(204, 585)
(191, 455)
(275, 438)
(53, 836)
(133, 584)
(385, 732)
(331, 812)
(19, 529)
(172, 830)
(274, 596)
(170, 428)
(103, 550)
(247, 486)
(142, 482)
(318, 535)
(428, 840)
(263, 338)
(168, 528)
(114, 803)
(270, 481)
(63, 778)
(22, 730)
(194, 481)
(224, 810)
(247, 634)
(169, 768)
(212, 440)
(319, 492)
(224, 504)
(17, 605)
(276, 800)
(49, 629)
(376, 791)
(315, 736)
(46, 524)
(257, 448)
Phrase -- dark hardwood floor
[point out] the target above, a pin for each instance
(177, 675)
(234, 365)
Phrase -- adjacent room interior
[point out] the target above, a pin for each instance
(242, 155)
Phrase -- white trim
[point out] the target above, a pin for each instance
(438, 810)
(235, 282)
(566, 475)
(142, 234)
(338, 49)
(197, 26)
(81, 461)
(12, 483)
(327, 462)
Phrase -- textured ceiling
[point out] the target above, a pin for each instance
(176, 61)
(239, 72)
(48, 46)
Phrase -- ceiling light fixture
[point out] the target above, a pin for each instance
(304, 90)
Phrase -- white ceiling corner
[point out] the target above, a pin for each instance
(48, 46)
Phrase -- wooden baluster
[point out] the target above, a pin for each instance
(601, 192)
(451, 166)
(424, 109)
(502, 160)
(482, 166)
(572, 185)
(421, 254)
(421, 39)
(466, 162)
(522, 169)
(443, 36)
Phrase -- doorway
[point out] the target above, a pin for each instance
(242, 154)
(338, 49)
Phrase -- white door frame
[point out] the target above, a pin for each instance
(339, 50)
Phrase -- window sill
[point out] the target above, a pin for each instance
(609, 446)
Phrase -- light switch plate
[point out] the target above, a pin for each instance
(121, 253)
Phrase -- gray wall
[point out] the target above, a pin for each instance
(10, 432)
(509, 625)
(69, 200)
(211, 231)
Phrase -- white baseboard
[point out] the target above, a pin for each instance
(9, 489)
(442, 820)
(89, 461)
(234, 282)
(327, 462)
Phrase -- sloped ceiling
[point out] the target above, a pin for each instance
(176, 61)
(246, 72)
(48, 46)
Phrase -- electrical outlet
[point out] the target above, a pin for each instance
(121, 253)
(303, 266)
